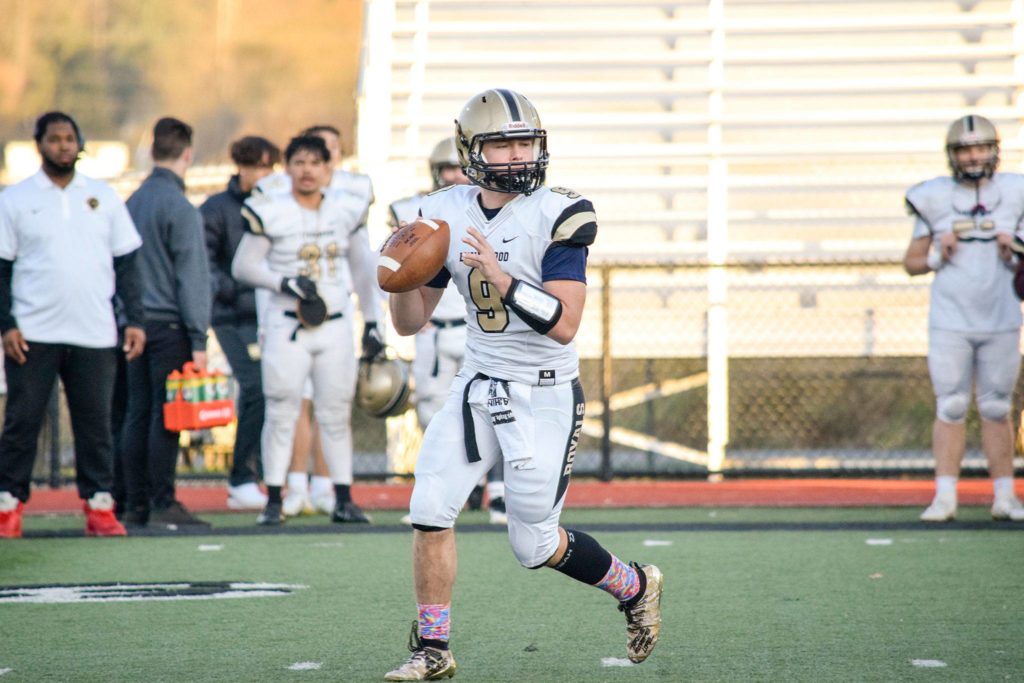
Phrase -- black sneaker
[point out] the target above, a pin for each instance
(175, 514)
(349, 513)
(136, 517)
(272, 514)
(476, 498)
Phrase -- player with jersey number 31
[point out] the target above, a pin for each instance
(518, 255)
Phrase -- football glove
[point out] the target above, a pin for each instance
(300, 287)
(373, 344)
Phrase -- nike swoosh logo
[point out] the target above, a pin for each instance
(508, 239)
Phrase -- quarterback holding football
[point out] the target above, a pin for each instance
(518, 255)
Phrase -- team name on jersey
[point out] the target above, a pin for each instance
(502, 256)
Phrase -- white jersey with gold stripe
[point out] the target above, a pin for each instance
(500, 344)
(973, 292)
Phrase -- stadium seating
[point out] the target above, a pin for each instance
(824, 111)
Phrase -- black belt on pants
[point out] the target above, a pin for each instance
(293, 314)
(443, 324)
(468, 428)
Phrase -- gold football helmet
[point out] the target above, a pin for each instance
(383, 386)
(494, 115)
(444, 154)
(968, 131)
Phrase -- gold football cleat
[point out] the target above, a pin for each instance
(643, 616)
(425, 664)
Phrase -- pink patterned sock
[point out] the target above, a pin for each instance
(434, 621)
(621, 580)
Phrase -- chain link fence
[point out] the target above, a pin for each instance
(823, 371)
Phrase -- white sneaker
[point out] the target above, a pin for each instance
(1007, 507)
(942, 509)
(323, 503)
(246, 497)
(498, 514)
(406, 519)
(295, 503)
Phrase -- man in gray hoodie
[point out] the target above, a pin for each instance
(176, 298)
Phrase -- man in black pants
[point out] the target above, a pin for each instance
(234, 314)
(176, 296)
(67, 244)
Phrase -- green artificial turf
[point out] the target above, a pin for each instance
(739, 605)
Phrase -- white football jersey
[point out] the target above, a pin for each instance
(500, 344)
(321, 244)
(973, 292)
(451, 305)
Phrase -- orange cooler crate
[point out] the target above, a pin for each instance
(180, 416)
(197, 400)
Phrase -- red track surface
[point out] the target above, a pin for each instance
(627, 493)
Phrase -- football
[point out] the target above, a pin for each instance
(412, 256)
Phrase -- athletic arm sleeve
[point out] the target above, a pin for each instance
(249, 265)
(562, 262)
(128, 286)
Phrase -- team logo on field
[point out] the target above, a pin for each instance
(132, 592)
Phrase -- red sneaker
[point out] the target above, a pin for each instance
(10, 521)
(99, 516)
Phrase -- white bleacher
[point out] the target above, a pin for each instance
(825, 111)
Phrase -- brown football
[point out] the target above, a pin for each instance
(412, 256)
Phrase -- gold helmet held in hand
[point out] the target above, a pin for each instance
(383, 386)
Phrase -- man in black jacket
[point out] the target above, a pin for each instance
(234, 313)
(176, 296)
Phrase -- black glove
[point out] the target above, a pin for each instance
(300, 287)
(373, 345)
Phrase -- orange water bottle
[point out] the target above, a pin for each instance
(190, 383)
(220, 386)
(172, 386)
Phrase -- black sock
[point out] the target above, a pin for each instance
(642, 579)
(273, 494)
(342, 494)
(436, 644)
(584, 559)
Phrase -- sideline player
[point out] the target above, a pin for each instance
(964, 227)
(308, 247)
(518, 256)
(315, 493)
(441, 344)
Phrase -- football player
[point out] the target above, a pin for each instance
(441, 344)
(518, 255)
(304, 493)
(307, 251)
(964, 226)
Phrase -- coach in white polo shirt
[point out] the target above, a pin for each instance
(67, 245)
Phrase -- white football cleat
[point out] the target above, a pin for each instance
(246, 497)
(942, 509)
(295, 503)
(324, 503)
(1007, 507)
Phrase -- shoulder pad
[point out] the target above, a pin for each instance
(440, 190)
(924, 198)
(576, 226)
(253, 222)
